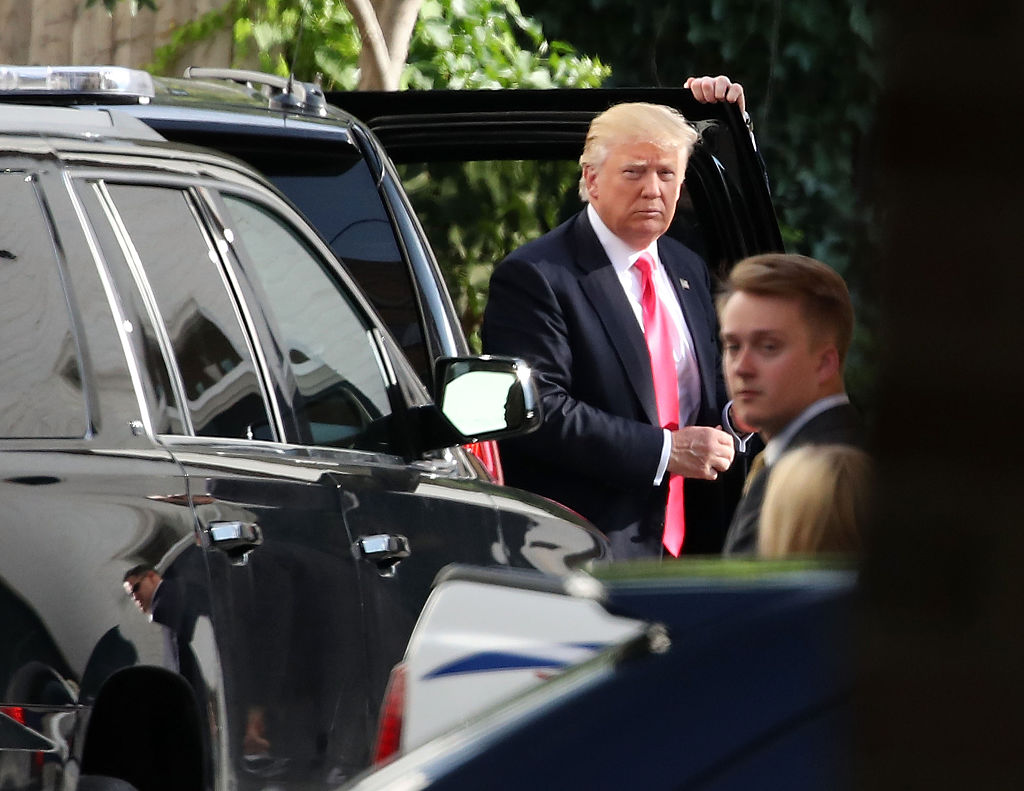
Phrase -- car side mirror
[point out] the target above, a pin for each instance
(477, 399)
(487, 397)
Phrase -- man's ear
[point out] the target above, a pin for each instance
(828, 363)
(590, 179)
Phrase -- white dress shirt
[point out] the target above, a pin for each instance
(622, 257)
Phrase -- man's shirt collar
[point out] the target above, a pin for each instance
(619, 253)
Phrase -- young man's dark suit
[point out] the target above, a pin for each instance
(839, 425)
(558, 303)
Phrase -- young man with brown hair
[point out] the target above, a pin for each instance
(786, 325)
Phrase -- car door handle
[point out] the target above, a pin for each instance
(236, 539)
(384, 550)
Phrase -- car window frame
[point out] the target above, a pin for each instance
(33, 173)
(404, 387)
(347, 329)
(206, 178)
(190, 186)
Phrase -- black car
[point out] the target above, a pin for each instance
(193, 386)
(739, 677)
(346, 158)
(291, 476)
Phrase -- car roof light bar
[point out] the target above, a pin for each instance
(110, 81)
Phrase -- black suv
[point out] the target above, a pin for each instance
(341, 158)
(196, 397)
(345, 170)
(367, 485)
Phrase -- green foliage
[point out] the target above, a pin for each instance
(455, 44)
(190, 33)
(490, 44)
(318, 36)
(476, 212)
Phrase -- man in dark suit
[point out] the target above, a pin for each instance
(786, 325)
(576, 306)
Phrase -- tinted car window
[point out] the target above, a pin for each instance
(337, 193)
(41, 394)
(164, 410)
(342, 398)
(218, 376)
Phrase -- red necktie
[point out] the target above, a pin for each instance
(658, 333)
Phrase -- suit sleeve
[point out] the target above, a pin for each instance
(524, 318)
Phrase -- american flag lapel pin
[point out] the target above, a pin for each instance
(684, 283)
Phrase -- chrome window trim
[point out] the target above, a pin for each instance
(188, 188)
(148, 300)
(228, 264)
(121, 321)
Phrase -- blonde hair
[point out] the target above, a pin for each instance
(816, 501)
(641, 122)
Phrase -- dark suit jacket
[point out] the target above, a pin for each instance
(840, 425)
(558, 303)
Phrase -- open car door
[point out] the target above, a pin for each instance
(725, 213)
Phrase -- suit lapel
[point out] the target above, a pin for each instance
(603, 289)
(694, 313)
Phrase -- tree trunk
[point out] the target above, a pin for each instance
(385, 27)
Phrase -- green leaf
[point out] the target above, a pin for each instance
(436, 33)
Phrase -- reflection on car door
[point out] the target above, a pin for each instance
(331, 356)
(83, 496)
(284, 598)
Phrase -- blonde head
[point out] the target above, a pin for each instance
(632, 122)
(816, 501)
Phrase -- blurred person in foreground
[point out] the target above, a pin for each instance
(618, 323)
(786, 325)
(816, 502)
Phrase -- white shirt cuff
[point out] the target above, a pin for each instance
(666, 452)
